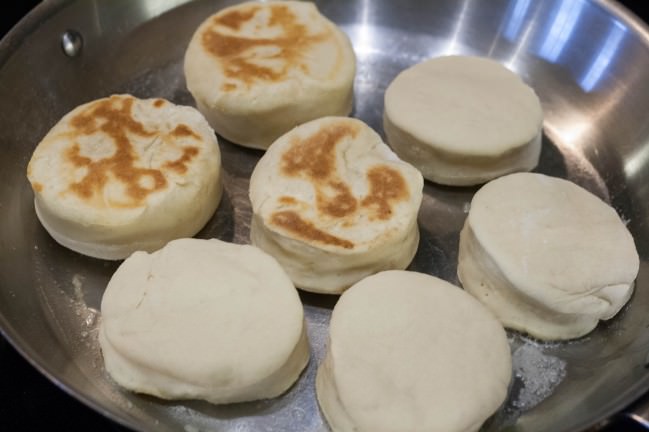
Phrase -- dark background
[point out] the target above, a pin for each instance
(29, 402)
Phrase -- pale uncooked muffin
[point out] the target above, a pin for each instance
(547, 257)
(333, 204)
(122, 174)
(463, 120)
(256, 70)
(203, 319)
(411, 352)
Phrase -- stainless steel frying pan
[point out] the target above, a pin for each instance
(588, 61)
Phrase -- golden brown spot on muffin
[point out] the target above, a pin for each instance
(37, 186)
(337, 201)
(287, 200)
(291, 221)
(314, 158)
(113, 117)
(180, 165)
(236, 18)
(387, 186)
(158, 103)
(237, 55)
(182, 130)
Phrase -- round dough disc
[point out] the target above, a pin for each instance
(203, 319)
(333, 204)
(411, 352)
(547, 257)
(463, 120)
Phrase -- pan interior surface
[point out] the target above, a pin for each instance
(587, 60)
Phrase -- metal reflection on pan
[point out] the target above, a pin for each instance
(587, 60)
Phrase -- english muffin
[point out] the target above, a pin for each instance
(463, 120)
(411, 352)
(549, 258)
(203, 319)
(122, 174)
(258, 69)
(333, 204)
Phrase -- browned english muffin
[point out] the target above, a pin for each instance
(333, 204)
(122, 174)
(256, 70)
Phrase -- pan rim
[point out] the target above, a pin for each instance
(13, 40)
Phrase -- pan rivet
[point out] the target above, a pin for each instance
(71, 42)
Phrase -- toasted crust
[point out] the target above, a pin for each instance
(332, 187)
(102, 174)
(258, 69)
